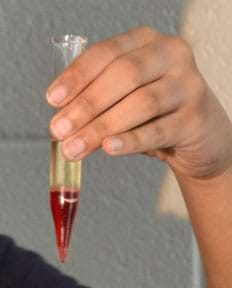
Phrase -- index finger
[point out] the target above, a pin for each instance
(91, 63)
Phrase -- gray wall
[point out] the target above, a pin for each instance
(121, 239)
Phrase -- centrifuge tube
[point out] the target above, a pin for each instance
(65, 176)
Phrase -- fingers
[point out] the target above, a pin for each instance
(142, 105)
(154, 135)
(82, 72)
(118, 80)
(158, 134)
(139, 107)
(133, 86)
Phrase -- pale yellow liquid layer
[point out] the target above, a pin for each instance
(63, 174)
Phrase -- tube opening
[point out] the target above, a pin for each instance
(69, 39)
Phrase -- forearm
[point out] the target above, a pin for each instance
(210, 207)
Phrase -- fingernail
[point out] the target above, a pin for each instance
(116, 144)
(57, 95)
(74, 148)
(61, 127)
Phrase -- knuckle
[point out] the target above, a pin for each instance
(147, 32)
(180, 47)
(101, 128)
(152, 102)
(159, 133)
(108, 47)
(86, 104)
(131, 66)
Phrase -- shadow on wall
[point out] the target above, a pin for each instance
(23, 268)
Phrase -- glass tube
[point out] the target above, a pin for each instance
(65, 176)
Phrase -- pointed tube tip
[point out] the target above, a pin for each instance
(63, 254)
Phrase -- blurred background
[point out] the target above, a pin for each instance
(132, 228)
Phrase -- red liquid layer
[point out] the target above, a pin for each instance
(64, 204)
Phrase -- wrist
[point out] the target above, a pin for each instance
(206, 185)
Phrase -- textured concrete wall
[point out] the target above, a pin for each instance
(121, 239)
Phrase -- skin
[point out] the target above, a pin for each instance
(141, 92)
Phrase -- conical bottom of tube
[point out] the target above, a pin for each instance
(63, 253)
(64, 206)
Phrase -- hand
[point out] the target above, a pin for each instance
(141, 92)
